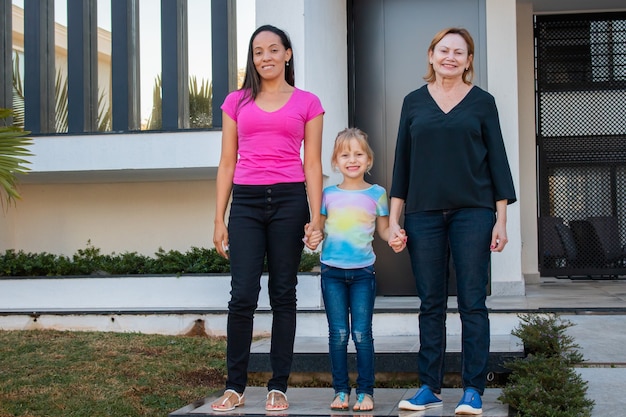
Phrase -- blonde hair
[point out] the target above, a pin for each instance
(343, 142)
(468, 75)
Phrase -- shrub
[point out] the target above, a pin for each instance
(544, 383)
(90, 261)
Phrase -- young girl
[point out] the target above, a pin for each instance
(351, 211)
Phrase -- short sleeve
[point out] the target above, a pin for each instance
(314, 107)
(231, 104)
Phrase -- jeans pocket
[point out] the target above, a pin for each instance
(369, 269)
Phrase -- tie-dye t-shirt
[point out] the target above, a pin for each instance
(350, 225)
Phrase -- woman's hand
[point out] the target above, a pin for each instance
(397, 240)
(312, 237)
(498, 234)
(498, 237)
(220, 239)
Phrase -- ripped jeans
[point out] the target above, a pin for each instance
(349, 296)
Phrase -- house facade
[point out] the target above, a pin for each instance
(129, 190)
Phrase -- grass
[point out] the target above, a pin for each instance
(74, 374)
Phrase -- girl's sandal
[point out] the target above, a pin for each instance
(340, 402)
(276, 401)
(228, 401)
(364, 402)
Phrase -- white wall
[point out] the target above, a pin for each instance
(124, 193)
(528, 178)
(7, 226)
(116, 217)
(111, 152)
(506, 268)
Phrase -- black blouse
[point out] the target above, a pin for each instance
(450, 160)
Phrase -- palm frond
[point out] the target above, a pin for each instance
(13, 149)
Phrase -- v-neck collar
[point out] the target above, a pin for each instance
(453, 107)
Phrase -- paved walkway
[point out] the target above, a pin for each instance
(316, 401)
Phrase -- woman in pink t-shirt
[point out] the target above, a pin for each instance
(274, 195)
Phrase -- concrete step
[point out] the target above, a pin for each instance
(400, 322)
(396, 342)
(394, 354)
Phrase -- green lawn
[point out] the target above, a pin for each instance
(91, 374)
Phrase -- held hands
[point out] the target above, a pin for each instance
(312, 237)
(397, 240)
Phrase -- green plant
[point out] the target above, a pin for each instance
(308, 261)
(91, 261)
(545, 334)
(544, 383)
(200, 104)
(13, 149)
(103, 119)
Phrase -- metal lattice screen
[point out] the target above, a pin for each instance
(581, 136)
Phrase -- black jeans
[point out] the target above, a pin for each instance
(264, 221)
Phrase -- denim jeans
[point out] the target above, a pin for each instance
(349, 296)
(264, 221)
(433, 236)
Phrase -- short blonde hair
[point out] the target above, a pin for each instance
(343, 141)
(468, 75)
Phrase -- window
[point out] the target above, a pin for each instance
(108, 73)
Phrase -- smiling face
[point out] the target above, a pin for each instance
(352, 160)
(450, 58)
(269, 55)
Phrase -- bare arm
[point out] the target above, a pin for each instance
(313, 170)
(395, 211)
(224, 182)
(397, 241)
(312, 237)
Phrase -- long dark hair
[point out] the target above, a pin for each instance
(252, 79)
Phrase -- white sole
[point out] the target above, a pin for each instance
(467, 410)
(406, 405)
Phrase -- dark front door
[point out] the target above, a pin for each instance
(388, 42)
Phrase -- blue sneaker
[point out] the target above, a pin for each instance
(470, 403)
(424, 398)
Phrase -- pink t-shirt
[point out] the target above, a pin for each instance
(269, 142)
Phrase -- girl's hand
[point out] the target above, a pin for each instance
(220, 239)
(398, 240)
(312, 237)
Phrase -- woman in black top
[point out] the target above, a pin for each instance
(452, 177)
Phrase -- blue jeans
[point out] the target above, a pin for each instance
(349, 296)
(433, 236)
(265, 221)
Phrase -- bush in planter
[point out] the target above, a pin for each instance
(544, 383)
(90, 261)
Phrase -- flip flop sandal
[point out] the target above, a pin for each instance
(364, 402)
(340, 402)
(226, 403)
(276, 401)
